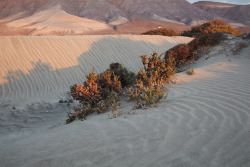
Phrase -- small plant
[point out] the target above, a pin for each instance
(153, 94)
(191, 72)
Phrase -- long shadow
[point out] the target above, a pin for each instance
(44, 84)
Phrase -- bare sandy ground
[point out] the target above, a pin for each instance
(203, 122)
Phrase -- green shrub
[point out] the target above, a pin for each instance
(161, 31)
(213, 26)
(126, 77)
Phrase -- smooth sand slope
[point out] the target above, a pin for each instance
(203, 122)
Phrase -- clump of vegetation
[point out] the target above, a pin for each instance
(150, 87)
(97, 94)
(213, 26)
(127, 78)
(188, 53)
(100, 92)
(161, 31)
(191, 72)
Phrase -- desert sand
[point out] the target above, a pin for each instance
(204, 121)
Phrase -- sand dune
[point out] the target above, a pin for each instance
(203, 122)
(42, 68)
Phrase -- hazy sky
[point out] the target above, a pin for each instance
(226, 1)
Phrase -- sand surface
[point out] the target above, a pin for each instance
(204, 121)
(53, 21)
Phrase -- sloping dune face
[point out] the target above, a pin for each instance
(40, 68)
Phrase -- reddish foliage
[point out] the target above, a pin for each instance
(188, 52)
(161, 31)
(214, 26)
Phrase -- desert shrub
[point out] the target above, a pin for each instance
(179, 53)
(97, 94)
(213, 26)
(89, 92)
(187, 53)
(191, 72)
(150, 85)
(108, 80)
(126, 77)
(157, 67)
(161, 31)
(206, 41)
(100, 92)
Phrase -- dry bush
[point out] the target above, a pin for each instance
(179, 53)
(156, 66)
(89, 92)
(191, 72)
(161, 31)
(150, 85)
(188, 53)
(126, 77)
(206, 41)
(213, 26)
(97, 94)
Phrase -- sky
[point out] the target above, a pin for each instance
(242, 2)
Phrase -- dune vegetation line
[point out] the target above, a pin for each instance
(101, 92)
(213, 26)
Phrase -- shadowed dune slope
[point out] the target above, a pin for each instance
(38, 68)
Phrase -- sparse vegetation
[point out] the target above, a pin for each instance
(100, 92)
(213, 26)
(97, 94)
(190, 72)
(150, 87)
(188, 53)
(161, 31)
